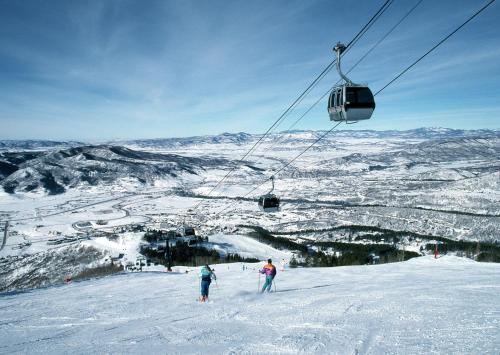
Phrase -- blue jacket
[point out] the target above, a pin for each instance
(207, 275)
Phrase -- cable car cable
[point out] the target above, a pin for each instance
(319, 77)
(432, 49)
(351, 69)
(385, 36)
(305, 150)
(356, 38)
(435, 46)
(366, 27)
(351, 43)
(383, 88)
(283, 167)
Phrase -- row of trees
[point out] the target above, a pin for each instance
(480, 250)
(351, 257)
(181, 253)
(349, 253)
(264, 236)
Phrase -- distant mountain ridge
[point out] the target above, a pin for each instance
(288, 136)
(428, 153)
(243, 138)
(36, 144)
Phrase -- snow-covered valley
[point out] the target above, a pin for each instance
(77, 211)
(419, 185)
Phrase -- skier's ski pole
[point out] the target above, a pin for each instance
(258, 287)
(199, 297)
(274, 282)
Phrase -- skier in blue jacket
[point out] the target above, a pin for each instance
(206, 275)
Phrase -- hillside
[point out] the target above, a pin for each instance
(55, 171)
(449, 305)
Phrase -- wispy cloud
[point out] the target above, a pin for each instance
(118, 69)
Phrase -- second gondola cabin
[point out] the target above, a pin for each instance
(269, 203)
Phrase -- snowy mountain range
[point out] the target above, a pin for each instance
(307, 136)
(242, 138)
(55, 171)
(428, 153)
(35, 144)
(55, 167)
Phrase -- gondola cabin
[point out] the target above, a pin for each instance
(351, 103)
(269, 203)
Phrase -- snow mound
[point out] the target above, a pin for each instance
(246, 247)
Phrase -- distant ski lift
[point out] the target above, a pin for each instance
(269, 202)
(349, 102)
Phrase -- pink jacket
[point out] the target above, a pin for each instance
(269, 270)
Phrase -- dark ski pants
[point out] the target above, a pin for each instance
(204, 288)
(268, 283)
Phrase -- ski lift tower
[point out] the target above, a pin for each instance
(404, 242)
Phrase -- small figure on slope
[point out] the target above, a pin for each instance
(206, 275)
(270, 271)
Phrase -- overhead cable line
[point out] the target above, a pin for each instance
(435, 46)
(305, 150)
(385, 35)
(321, 75)
(349, 46)
(379, 91)
(352, 68)
(365, 28)
(352, 42)
(277, 172)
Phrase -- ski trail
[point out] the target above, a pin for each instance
(344, 310)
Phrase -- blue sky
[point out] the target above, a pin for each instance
(92, 70)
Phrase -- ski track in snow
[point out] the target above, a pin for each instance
(449, 305)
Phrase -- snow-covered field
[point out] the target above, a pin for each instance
(425, 306)
(430, 182)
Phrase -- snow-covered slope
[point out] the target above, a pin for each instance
(447, 306)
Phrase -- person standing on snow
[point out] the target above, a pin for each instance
(283, 263)
(206, 275)
(270, 271)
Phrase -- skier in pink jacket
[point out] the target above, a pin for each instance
(270, 271)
